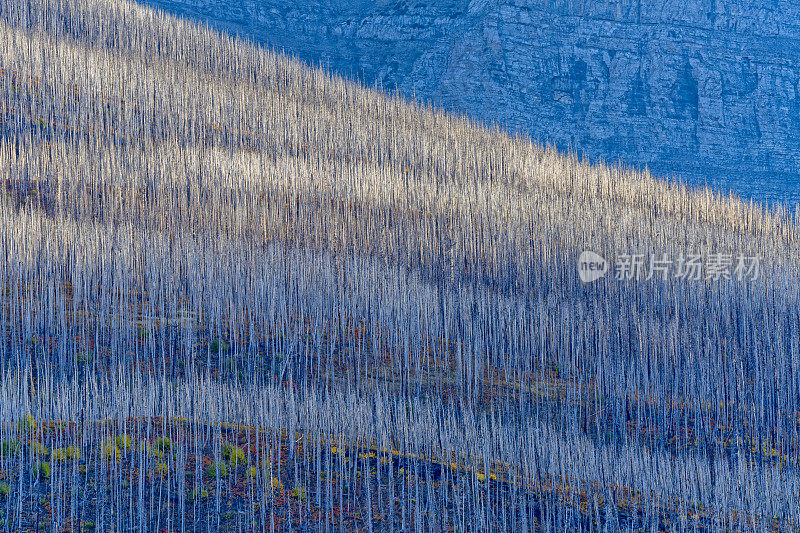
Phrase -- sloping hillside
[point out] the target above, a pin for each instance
(240, 293)
(707, 91)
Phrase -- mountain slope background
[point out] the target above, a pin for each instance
(703, 91)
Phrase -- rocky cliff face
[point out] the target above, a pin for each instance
(708, 90)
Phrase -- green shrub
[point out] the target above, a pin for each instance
(5, 490)
(40, 449)
(233, 454)
(213, 468)
(59, 455)
(164, 444)
(123, 442)
(9, 448)
(26, 424)
(41, 470)
(69, 453)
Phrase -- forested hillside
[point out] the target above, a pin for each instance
(239, 293)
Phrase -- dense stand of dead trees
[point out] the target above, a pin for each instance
(203, 241)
